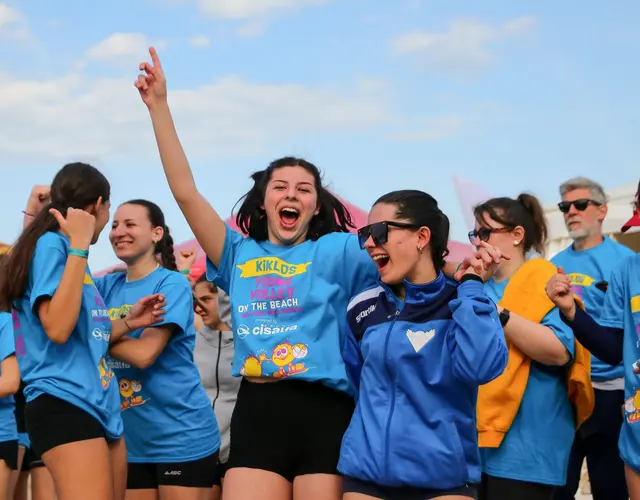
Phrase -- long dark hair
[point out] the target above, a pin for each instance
(164, 247)
(76, 185)
(252, 220)
(525, 211)
(421, 209)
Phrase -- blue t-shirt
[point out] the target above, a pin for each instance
(536, 448)
(8, 424)
(585, 268)
(167, 414)
(622, 310)
(289, 304)
(75, 371)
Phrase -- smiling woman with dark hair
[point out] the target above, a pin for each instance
(289, 283)
(418, 347)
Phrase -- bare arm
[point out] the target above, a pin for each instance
(59, 314)
(207, 226)
(119, 328)
(10, 378)
(536, 341)
(144, 351)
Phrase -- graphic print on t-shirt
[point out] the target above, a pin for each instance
(101, 331)
(130, 394)
(272, 310)
(632, 403)
(578, 281)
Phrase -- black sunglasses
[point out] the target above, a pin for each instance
(379, 231)
(484, 233)
(581, 205)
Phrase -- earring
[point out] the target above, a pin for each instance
(516, 243)
(420, 249)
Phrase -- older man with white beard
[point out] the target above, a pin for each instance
(588, 263)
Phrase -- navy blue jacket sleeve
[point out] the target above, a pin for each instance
(476, 340)
(352, 360)
(604, 342)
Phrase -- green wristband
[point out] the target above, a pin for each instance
(185, 271)
(76, 252)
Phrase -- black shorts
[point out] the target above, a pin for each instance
(498, 488)
(31, 460)
(199, 473)
(220, 472)
(9, 453)
(353, 485)
(290, 427)
(53, 422)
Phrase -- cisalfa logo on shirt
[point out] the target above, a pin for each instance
(244, 331)
(263, 266)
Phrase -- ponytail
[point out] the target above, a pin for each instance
(166, 251)
(14, 269)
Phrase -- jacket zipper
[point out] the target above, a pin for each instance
(218, 369)
(393, 397)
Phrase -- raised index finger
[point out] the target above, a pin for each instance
(155, 59)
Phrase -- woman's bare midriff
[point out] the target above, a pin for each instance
(262, 380)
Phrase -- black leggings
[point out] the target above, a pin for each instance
(497, 488)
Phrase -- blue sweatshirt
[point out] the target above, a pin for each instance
(416, 372)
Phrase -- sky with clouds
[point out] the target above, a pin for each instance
(380, 94)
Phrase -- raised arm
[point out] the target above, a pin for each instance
(207, 226)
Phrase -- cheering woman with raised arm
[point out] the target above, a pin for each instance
(289, 282)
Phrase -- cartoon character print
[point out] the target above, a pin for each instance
(253, 366)
(130, 393)
(283, 356)
(106, 374)
(632, 408)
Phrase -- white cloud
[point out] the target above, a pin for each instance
(123, 48)
(249, 9)
(81, 116)
(465, 46)
(8, 16)
(12, 23)
(200, 41)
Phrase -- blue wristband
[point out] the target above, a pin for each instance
(185, 271)
(76, 252)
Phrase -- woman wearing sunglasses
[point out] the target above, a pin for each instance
(525, 418)
(417, 349)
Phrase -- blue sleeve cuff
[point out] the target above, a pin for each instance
(470, 288)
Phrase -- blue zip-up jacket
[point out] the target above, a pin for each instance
(416, 373)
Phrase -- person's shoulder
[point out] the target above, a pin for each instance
(364, 298)
(5, 320)
(560, 256)
(337, 238)
(619, 248)
(111, 280)
(173, 278)
(52, 239)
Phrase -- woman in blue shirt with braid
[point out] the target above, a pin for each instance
(170, 430)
